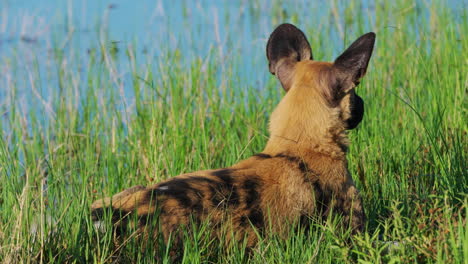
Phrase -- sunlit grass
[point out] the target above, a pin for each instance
(91, 139)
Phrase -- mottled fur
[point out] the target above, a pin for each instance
(301, 173)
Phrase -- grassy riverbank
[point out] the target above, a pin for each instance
(90, 139)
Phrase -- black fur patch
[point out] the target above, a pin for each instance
(322, 199)
(223, 173)
(289, 158)
(357, 112)
(222, 192)
(262, 156)
(208, 183)
(252, 195)
(225, 191)
(359, 214)
(243, 221)
(305, 222)
(201, 179)
(116, 214)
(339, 206)
(300, 163)
(216, 198)
(256, 218)
(145, 219)
(177, 189)
(150, 196)
(303, 166)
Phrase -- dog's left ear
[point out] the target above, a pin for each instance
(287, 46)
(353, 62)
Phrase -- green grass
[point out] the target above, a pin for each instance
(408, 157)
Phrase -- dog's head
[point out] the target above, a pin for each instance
(320, 95)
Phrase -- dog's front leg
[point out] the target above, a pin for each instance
(343, 199)
(350, 203)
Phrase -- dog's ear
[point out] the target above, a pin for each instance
(354, 60)
(287, 45)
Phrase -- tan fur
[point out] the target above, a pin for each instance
(302, 122)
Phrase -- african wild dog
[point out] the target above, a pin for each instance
(302, 172)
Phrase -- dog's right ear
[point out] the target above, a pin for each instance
(354, 60)
(287, 45)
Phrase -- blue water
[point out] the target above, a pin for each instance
(231, 32)
(32, 31)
